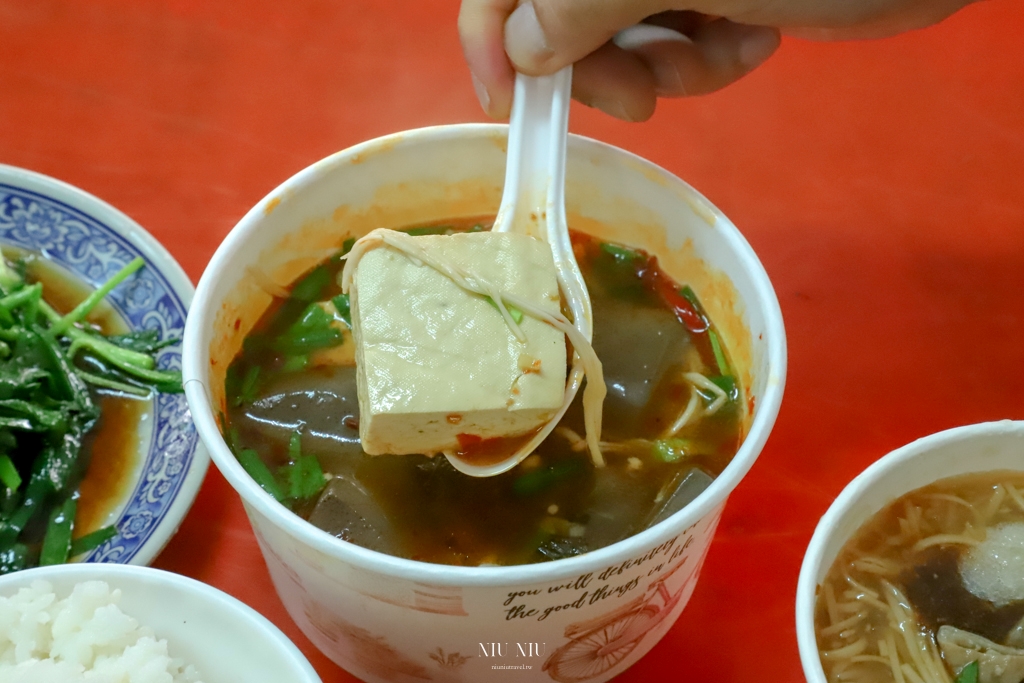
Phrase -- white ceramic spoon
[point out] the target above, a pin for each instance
(533, 202)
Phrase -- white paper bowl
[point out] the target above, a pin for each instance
(223, 638)
(383, 617)
(90, 240)
(975, 448)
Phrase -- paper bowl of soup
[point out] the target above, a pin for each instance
(399, 567)
(916, 572)
(130, 461)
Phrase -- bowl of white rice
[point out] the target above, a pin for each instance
(128, 624)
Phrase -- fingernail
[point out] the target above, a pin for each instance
(481, 92)
(525, 41)
(758, 45)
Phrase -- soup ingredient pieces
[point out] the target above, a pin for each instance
(436, 361)
(683, 489)
(635, 355)
(347, 510)
(936, 589)
(994, 569)
(993, 662)
(634, 277)
(46, 409)
(303, 473)
(82, 637)
(322, 402)
(298, 480)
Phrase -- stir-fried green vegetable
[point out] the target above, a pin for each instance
(47, 363)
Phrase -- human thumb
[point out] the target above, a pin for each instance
(542, 36)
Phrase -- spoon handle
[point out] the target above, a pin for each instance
(533, 201)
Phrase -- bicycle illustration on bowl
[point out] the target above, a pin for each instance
(598, 644)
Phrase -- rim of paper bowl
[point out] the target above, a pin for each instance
(448, 575)
(139, 539)
(189, 592)
(843, 505)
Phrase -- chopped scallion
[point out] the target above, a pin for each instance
(343, 306)
(672, 450)
(726, 383)
(621, 253)
(716, 349)
(517, 315)
(249, 387)
(303, 474)
(295, 363)
(255, 467)
(968, 674)
(312, 285)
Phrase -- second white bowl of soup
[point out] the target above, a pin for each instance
(916, 572)
(557, 569)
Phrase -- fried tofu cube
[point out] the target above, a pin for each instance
(436, 362)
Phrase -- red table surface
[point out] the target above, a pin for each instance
(881, 183)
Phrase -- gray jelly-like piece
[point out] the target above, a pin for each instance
(694, 483)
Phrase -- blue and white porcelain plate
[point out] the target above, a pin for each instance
(92, 240)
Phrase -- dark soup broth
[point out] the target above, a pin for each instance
(672, 422)
(931, 588)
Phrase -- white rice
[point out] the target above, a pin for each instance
(83, 637)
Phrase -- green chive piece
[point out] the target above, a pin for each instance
(968, 674)
(671, 450)
(687, 293)
(256, 469)
(517, 315)
(347, 245)
(727, 383)
(343, 305)
(620, 253)
(310, 287)
(57, 542)
(295, 363)
(234, 438)
(304, 476)
(9, 473)
(90, 542)
(249, 387)
(716, 349)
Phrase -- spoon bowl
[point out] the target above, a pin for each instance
(533, 203)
